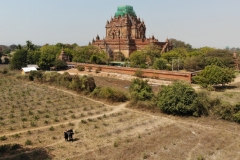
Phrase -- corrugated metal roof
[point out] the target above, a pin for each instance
(28, 69)
(33, 65)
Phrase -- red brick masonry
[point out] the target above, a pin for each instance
(150, 73)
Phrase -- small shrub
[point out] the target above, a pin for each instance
(89, 68)
(56, 120)
(28, 142)
(4, 71)
(24, 119)
(33, 124)
(51, 128)
(82, 115)
(71, 124)
(3, 138)
(80, 68)
(16, 136)
(110, 94)
(84, 121)
(139, 73)
(73, 116)
(98, 70)
(116, 144)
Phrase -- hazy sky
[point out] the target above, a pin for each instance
(214, 23)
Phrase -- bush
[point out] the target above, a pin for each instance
(5, 71)
(204, 104)
(177, 98)
(89, 68)
(160, 63)
(28, 142)
(35, 75)
(80, 68)
(139, 73)
(213, 75)
(9, 147)
(140, 90)
(98, 70)
(227, 111)
(109, 94)
(3, 138)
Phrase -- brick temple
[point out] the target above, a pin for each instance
(126, 33)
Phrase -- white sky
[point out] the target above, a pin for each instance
(214, 23)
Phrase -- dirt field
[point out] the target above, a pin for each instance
(40, 114)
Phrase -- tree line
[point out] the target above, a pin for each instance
(181, 57)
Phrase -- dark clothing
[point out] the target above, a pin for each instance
(70, 135)
(66, 136)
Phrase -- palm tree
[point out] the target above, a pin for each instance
(19, 47)
(30, 45)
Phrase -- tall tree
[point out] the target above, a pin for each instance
(138, 59)
(213, 75)
(19, 59)
(29, 45)
(219, 57)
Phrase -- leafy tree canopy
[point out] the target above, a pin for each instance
(59, 64)
(152, 52)
(175, 53)
(138, 59)
(213, 75)
(140, 90)
(221, 58)
(177, 98)
(83, 54)
(19, 59)
(194, 63)
(180, 44)
(160, 63)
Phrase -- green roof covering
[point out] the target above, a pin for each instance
(122, 10)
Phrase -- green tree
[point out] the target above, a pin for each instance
(160, 63)
(29, 45)
(19, 59)
(140, 90)
(221, 58)
(180, 44)
(152, 52)
(194, 63)
(48, 56)
(46, 60)
(84, 54)
(13, 47)
(177, 98)
(59, 64)
(213, 75)
(175, 53)
(33, 57)
(138, 59)
(19, 47)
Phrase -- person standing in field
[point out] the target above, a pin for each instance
(66, 135)
(70, 135)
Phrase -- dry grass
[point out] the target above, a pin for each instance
(40, 114)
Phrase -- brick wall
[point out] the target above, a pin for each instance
(151, 73)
